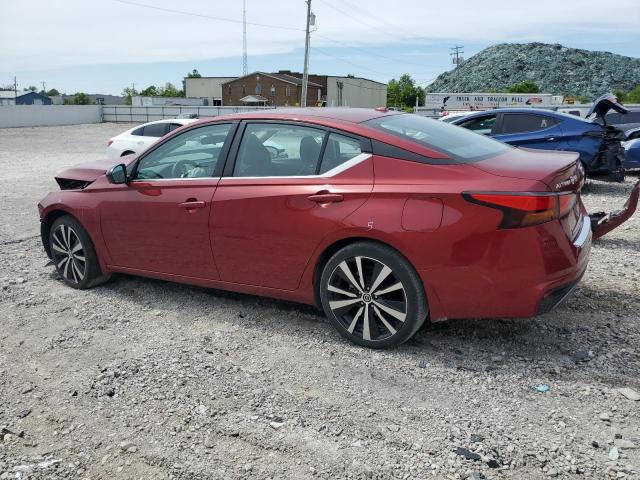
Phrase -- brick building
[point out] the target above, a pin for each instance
(276, 89)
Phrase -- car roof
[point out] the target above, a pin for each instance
(341, 114)
(529, 111)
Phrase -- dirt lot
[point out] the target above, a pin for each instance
(146, 379)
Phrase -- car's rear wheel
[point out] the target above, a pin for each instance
(373, 295)
(73, 254)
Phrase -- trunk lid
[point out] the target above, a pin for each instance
(560, 171)
(604, 104)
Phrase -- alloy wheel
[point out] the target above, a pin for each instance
(68, 254)
(367, 298)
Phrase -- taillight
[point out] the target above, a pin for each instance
(109, 142)
(525, 209)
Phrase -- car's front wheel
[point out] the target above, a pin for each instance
(373, 295)
(73, 254)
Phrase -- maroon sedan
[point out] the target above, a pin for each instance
(384, 219)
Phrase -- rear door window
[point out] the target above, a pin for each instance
(525, 122)
(339, 149)
(278, 150)
(173, 126)
(155, 129)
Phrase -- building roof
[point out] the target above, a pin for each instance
(278, 76)
(7, 94)
(253, 99)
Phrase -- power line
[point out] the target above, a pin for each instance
(211, 17)
(456, 54)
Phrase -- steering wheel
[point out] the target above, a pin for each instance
(181, 168)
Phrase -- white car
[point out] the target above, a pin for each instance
(138, 139)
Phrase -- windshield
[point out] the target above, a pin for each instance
(461, 144)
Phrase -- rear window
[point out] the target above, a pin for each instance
(524, 122)
(155, 130)
(459, 143)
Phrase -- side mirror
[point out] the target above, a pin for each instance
(118, 174)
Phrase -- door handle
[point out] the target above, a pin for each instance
(326, 197)
(191, 204)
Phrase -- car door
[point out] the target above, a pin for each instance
(274, 206)
(531, 130)
(159, 221)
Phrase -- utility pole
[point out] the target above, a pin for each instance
(15, 88)
(456, 55)
(305, 74)
(245, 68)
(44, 87)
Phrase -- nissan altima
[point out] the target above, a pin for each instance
(382, 219)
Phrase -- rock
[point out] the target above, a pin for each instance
(605, 416)
(475, 476)
(614, 454)
(595, 444)
(552, 472)
(276, 425)
(126, 445)
(582, 356)
(475, 438)
(625, 444)
(554, 69)
(394, 428)
(208, 441)
(492, 463)
(629, 393)
(24, 413)
(468, 454)
(496, 358)
(423, 364)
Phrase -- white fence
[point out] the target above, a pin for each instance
(126, 113)
(41, 115)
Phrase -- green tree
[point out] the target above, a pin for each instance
(170, 90)
(150, 91)
(128, 93)
(31, 88)
(524, 87)
(194, 74)
(81, 98)
(633, 96)
(402, 93)
(621, 95)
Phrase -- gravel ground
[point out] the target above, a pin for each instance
(146, 379)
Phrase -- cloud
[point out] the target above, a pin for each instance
(58, 33)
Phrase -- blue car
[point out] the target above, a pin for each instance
(598, 143)
(632, 148)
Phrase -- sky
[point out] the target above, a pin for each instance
(102, 46)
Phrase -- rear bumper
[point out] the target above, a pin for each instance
(556, 296)
(521, 273)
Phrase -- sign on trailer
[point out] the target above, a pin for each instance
(483, 101)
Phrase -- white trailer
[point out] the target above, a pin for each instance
(484, 101)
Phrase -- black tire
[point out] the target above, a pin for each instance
(395, 306)
(74, 255)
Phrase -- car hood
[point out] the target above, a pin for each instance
(604, 104)
(90, 171)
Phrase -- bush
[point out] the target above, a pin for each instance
(524, 87)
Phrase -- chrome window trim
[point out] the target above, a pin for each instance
(361, 157)
(138, 180)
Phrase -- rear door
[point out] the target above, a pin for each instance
(531, 130)
(273, 206)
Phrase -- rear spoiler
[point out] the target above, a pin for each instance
(602, 223)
